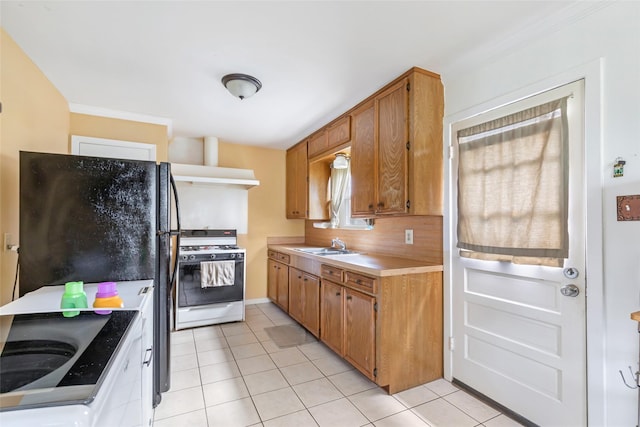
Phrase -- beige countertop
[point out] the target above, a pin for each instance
(367, 263)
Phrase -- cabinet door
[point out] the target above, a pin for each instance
(339, 132)
(311, 297)
(331, 315)
(360, 331)
(296, 294)
(297, 181)
(363, 161)
(283, 286)
(393, 134)
(318, 143)
(272, 280)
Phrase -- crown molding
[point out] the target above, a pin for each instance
(123, 115)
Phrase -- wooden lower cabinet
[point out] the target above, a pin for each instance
(348, 325)
(296, 298)
(304, 299)
(331, 315)
(278, 283)
(393, 335)
(360, 331)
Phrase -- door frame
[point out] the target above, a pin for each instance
(592, 73)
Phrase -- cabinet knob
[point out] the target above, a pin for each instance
(337, 294)
(358, 281)
(349, 297)
(371, 206)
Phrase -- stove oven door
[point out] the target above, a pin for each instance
(191, 291)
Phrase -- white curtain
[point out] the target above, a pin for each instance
(513, 187)
(338, 183)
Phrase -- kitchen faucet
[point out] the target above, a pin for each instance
(339, 244)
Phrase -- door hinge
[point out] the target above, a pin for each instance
(408, 145)
(408, 86)
(452, 343)
(408, 204)
(375, 372)
(375, 307)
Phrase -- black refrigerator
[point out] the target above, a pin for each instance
(98, 219)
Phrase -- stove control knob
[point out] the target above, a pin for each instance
(213, 256)
(192, 257)
(233, 256)
(184, 257)
(239, 256)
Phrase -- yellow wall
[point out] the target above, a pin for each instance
(266, 208)
(35, 117)
(124, 130)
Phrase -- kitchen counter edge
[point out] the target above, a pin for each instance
(367, 263)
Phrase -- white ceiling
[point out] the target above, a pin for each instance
(316, 59)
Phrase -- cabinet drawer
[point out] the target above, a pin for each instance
(331, 272)
(278, 256)
(359, 281)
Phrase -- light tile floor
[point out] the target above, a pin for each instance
(234, 375)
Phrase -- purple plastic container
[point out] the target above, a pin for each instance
(107, 296)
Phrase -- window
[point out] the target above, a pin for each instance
(513, 187)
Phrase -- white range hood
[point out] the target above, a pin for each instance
(210, 172)
(213, 175)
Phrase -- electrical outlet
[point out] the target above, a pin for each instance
(408, 237)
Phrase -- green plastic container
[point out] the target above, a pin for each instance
(74, 297)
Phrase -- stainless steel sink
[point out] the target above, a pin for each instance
(327, 251)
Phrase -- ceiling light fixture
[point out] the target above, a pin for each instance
(241, 85)
(341, 161)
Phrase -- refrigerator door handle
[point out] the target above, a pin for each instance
(176, 232)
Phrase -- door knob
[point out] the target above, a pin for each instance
(570, 290)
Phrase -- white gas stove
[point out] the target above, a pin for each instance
(204, 255)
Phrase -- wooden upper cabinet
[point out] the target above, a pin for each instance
(379, 154)
(363, 160)
(426, 168)
(297, 181)
(339, 132)
(396, 149)
(395, 142)
(318, 143)
(392, 107)
(331, 136)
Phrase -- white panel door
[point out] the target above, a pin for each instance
(517, 338)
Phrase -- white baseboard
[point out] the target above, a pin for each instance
(256, 301)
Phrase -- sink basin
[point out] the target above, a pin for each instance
(327, 251)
